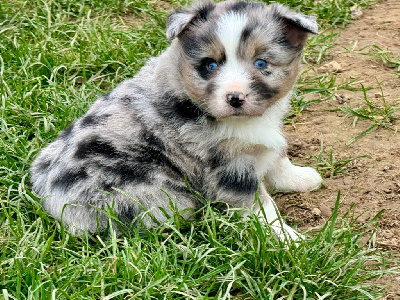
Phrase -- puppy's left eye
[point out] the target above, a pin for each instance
(260, 64)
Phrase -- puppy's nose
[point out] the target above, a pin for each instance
(236, 100)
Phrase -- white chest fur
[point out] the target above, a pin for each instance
(261, 137)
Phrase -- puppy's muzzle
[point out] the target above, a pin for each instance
(235, 99)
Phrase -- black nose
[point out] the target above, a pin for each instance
(235, 100)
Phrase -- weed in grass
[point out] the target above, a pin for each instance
(318, 47)
(325, 85)
(380, 115)
(328, 166)
(386, 56)
(317, 88)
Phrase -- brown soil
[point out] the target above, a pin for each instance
(372, 183)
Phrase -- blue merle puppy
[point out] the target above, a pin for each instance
(209, 109)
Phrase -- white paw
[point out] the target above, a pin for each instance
(300, 179)
(286, 233)
(291, 178)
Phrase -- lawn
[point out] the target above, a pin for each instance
(56, 57)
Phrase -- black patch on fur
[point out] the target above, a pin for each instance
(152, 140)
(246, 32)
(238, 6)
(154, 158)
(128, 172)
(178, 111)
(176, 187)
(140, 164)
(66, 133)
(134, 165)
(128, 214)
(69, 177)
(151, 151)
(241, 181)
(107, 186)
(93, 120)
(89, 120)
(204, 12)
(193, 44)
(243, 49)
(141, 161)
(262, 90)
(244, 181)
(201, 15)
(96, 146)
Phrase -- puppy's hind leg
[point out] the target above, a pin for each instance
(290, 178)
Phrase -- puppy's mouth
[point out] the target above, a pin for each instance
(239, 113)
(242, 111)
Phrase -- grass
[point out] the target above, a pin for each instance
(219, 256)
(379, 115)
(55, 59)
(385, 56)
(318, 88)
(329, 166)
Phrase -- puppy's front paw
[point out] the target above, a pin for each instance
(293, 178)
(302, 179)
(287, 233)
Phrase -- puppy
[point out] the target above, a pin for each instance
(209, 109)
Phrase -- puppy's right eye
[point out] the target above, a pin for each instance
(207, 67)
(212, 65)
(260, 64)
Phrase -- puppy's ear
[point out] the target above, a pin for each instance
(297, 25)
(179, 20)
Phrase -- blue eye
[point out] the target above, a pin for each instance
(260, 63)
(212, 65)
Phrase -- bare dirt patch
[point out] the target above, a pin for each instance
(372, 183)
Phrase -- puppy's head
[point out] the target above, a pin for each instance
(239, 58)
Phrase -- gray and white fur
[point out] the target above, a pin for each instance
(209, 109)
